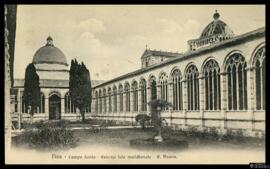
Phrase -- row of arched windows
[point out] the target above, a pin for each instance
(69, 106)
(235, 71)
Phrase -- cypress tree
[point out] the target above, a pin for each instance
(31, 92)
(80, 86)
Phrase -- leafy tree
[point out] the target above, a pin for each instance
(142, 119)
(31, 92)
(80, 86)
(157, 105)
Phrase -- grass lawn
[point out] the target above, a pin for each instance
(109, 145)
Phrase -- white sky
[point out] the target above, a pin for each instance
(111, 39)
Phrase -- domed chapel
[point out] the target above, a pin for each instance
(53, 71)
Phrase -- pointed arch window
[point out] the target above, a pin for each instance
(100, 101)
(259, 64)
(143, 95)
(192, 75)
(96, 98)
(127, 95)
(110, 99)
(121, 97)
(177, 90)
(211, 73)
(135, 96)
(163, 79)
(115, 99)
(236, 82)
(104, 101)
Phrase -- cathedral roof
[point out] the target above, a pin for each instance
(233, 41)
(49, 54)
(216, 27)
(149, 52)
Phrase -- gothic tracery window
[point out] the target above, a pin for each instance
(135, 96)
(177, 90)
(163, 80)
(127, 95)
(212, 85)
(115, 99)
(259, 64)
(100, 101)
(121, 98)
(110, 99)
(192, 75)
(96, 98)
(236, 82)
(104, 100)
(143, 95)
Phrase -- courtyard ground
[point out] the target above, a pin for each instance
(112, 146)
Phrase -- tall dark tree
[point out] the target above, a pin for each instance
(80, 86)
(31, 93)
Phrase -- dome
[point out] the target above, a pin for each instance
(49, 54)
(217, 27)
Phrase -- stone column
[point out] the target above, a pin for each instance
(251, 101)
(46, 96)
(93, 104)
(223, 99)
(158, 91)
(185, 99)
(62, 107)
(19, 109)
(202, 98)
(170, 99)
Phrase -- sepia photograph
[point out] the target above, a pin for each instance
(135, 84)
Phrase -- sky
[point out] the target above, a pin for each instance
(110, 39)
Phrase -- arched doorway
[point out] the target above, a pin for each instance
(54, 107)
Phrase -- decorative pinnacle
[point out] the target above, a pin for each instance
(216, 15)
(49, 41)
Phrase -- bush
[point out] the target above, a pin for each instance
(143, 119)
(213, 133)
(50, 135)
